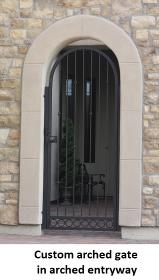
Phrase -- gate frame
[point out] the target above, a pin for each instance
(47, 130)
(35, 72)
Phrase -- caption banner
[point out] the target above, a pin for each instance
(52, 261)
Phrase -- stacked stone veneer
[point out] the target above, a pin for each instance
(20, 22)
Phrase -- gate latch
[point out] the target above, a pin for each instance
(53, 139)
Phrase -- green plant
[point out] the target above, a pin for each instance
(69, 169)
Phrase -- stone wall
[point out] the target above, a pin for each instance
(20, 22)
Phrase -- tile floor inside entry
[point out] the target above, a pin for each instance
(71, 237)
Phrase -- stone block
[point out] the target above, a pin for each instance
(125, 8)
(9, 121)
(3, 32)
(15, 73)
(6, 95)
(18, 34)
(148, 220)
(8, 187)
(9, 154)
(13, 84)
(4, 19)
(151, 165)
(147, 190)
(5, 178)
(154, 33)
(9, 107)
(9, 6)
(142, 35)
(143, 21)
(3, 136)
(25, 4)
(155, 59)
(8, 51)
(8, 214)
(150, 202)
(9, 168)
(153, 76)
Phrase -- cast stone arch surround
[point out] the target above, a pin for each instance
(42, 52)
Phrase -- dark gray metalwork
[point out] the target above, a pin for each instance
(79, 204)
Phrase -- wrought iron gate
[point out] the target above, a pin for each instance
(81, 141)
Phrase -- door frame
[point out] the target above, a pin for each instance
(35, 72)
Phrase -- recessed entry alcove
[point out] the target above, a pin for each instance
(80, 132)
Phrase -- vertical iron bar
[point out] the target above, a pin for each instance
(90, 147)
(99, 130)
(107, 148)
(59, 136)
(74, 157)
(116, 154)
(66, 169)
(83, 126)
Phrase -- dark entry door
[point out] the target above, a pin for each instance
(81, 141)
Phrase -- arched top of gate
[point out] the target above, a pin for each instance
(49, 43)
(88, 48)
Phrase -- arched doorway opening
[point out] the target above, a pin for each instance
(35, 73)
(81, 145)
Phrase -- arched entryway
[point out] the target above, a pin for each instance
(81, 146)
(35, 74)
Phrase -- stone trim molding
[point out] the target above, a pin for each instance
(36, 68)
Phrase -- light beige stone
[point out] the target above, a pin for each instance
(154, 34)
(153, 76)
(13, 84)
(155, 109)
(156, 59)
(9, 6)
(9, 121)
(5, 178)
(6, 95)
(148, 220)
(155, 43)
(11, 202)
(151, 165)
(9, 154)
(18, 34)
(126, 7)
(143, 21)
(3, 32)
(8, 214)
(33, 23)
(142, 35)
(3, 136)
(150, 202)
(4, 19)
(147, 190)
(9, 168)
(25, 4)
(15, 73)
(9, 107)
(8, 187)
(154, 10)
(8, 51)
(154, 180)
(70, 3)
